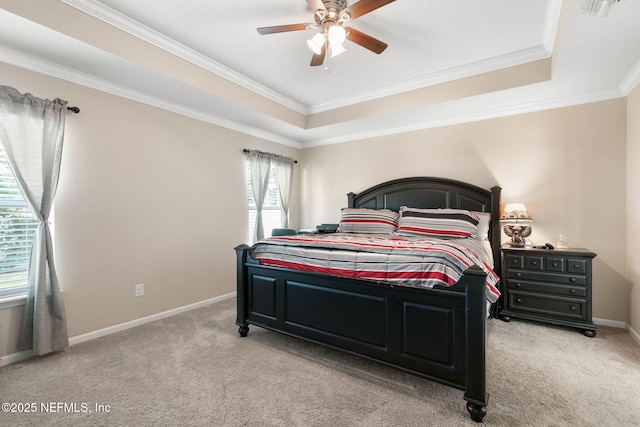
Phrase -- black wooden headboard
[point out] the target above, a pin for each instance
(432, 193)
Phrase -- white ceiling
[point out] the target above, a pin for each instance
(430, 43)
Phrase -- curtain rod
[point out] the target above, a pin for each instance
(246, 151)
(74, 109)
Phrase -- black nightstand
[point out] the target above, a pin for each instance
(548, 285)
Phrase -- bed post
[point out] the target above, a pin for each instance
(242, 280)
(475, 370)
(496, 232)
(351, 200)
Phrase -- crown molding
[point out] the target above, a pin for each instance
(451, 74)
(631, 80)
(551, 24)
(116, 19)
(22, 60)
(475, 116)
(39, 65)
(29, 62)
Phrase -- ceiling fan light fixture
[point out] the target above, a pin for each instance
(315, 43)
(336, 35)
(338, 50)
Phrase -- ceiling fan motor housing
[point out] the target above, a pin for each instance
(333, 13)
(339, 5)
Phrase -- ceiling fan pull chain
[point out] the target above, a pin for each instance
(327, 58)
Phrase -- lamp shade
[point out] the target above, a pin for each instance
(515, 212)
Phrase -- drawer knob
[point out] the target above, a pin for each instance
(518, 299)
(534, 262)
(573, 308)
(515, 261)
(519, 274)
(555, 264)
(572, 279)
(576, 265)
(519, 285)
(573, 291)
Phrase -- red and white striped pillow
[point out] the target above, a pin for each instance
(368, 221)
(441, 223)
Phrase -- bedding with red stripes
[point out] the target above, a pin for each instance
(410, 261)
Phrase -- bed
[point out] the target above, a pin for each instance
(382, 321)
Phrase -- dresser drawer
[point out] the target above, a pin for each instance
(577, 266)
(558, 307)
(515, 261)
(534, 263)
(555, 264)
(547, 288)
(551, 263)
(569, 279)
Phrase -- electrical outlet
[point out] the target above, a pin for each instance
(139, 289)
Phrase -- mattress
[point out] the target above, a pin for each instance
(409, 261)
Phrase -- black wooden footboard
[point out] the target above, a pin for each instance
(437, 333)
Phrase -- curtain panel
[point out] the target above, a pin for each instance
(260, 164)
(283, 167)
(31, 134)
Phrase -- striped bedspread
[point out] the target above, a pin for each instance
(409, 261)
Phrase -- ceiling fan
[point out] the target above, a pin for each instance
(330, 15)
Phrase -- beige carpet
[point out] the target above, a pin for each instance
(194, 370)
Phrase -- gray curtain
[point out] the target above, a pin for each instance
(259, 166)
(31, 133)
(284, 178)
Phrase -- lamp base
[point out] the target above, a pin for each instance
(517, 232)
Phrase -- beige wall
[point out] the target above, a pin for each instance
(145, 196)
(633, 206)
(567, 165)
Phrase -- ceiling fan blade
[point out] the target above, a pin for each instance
(285, 28)
(366, 41)
(315, 4)
(319, 59)
(365, 6)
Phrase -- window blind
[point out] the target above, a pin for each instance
(17, 229)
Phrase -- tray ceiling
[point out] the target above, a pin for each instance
(447, 61)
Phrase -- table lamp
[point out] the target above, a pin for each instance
(516, 219)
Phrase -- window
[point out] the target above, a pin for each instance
(17, 229)
(271, 211)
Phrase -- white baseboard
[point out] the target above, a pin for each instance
(24, 355)
(15, 357)
(143, 320)
(610, 323)
(621, 325)
(634, 334)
